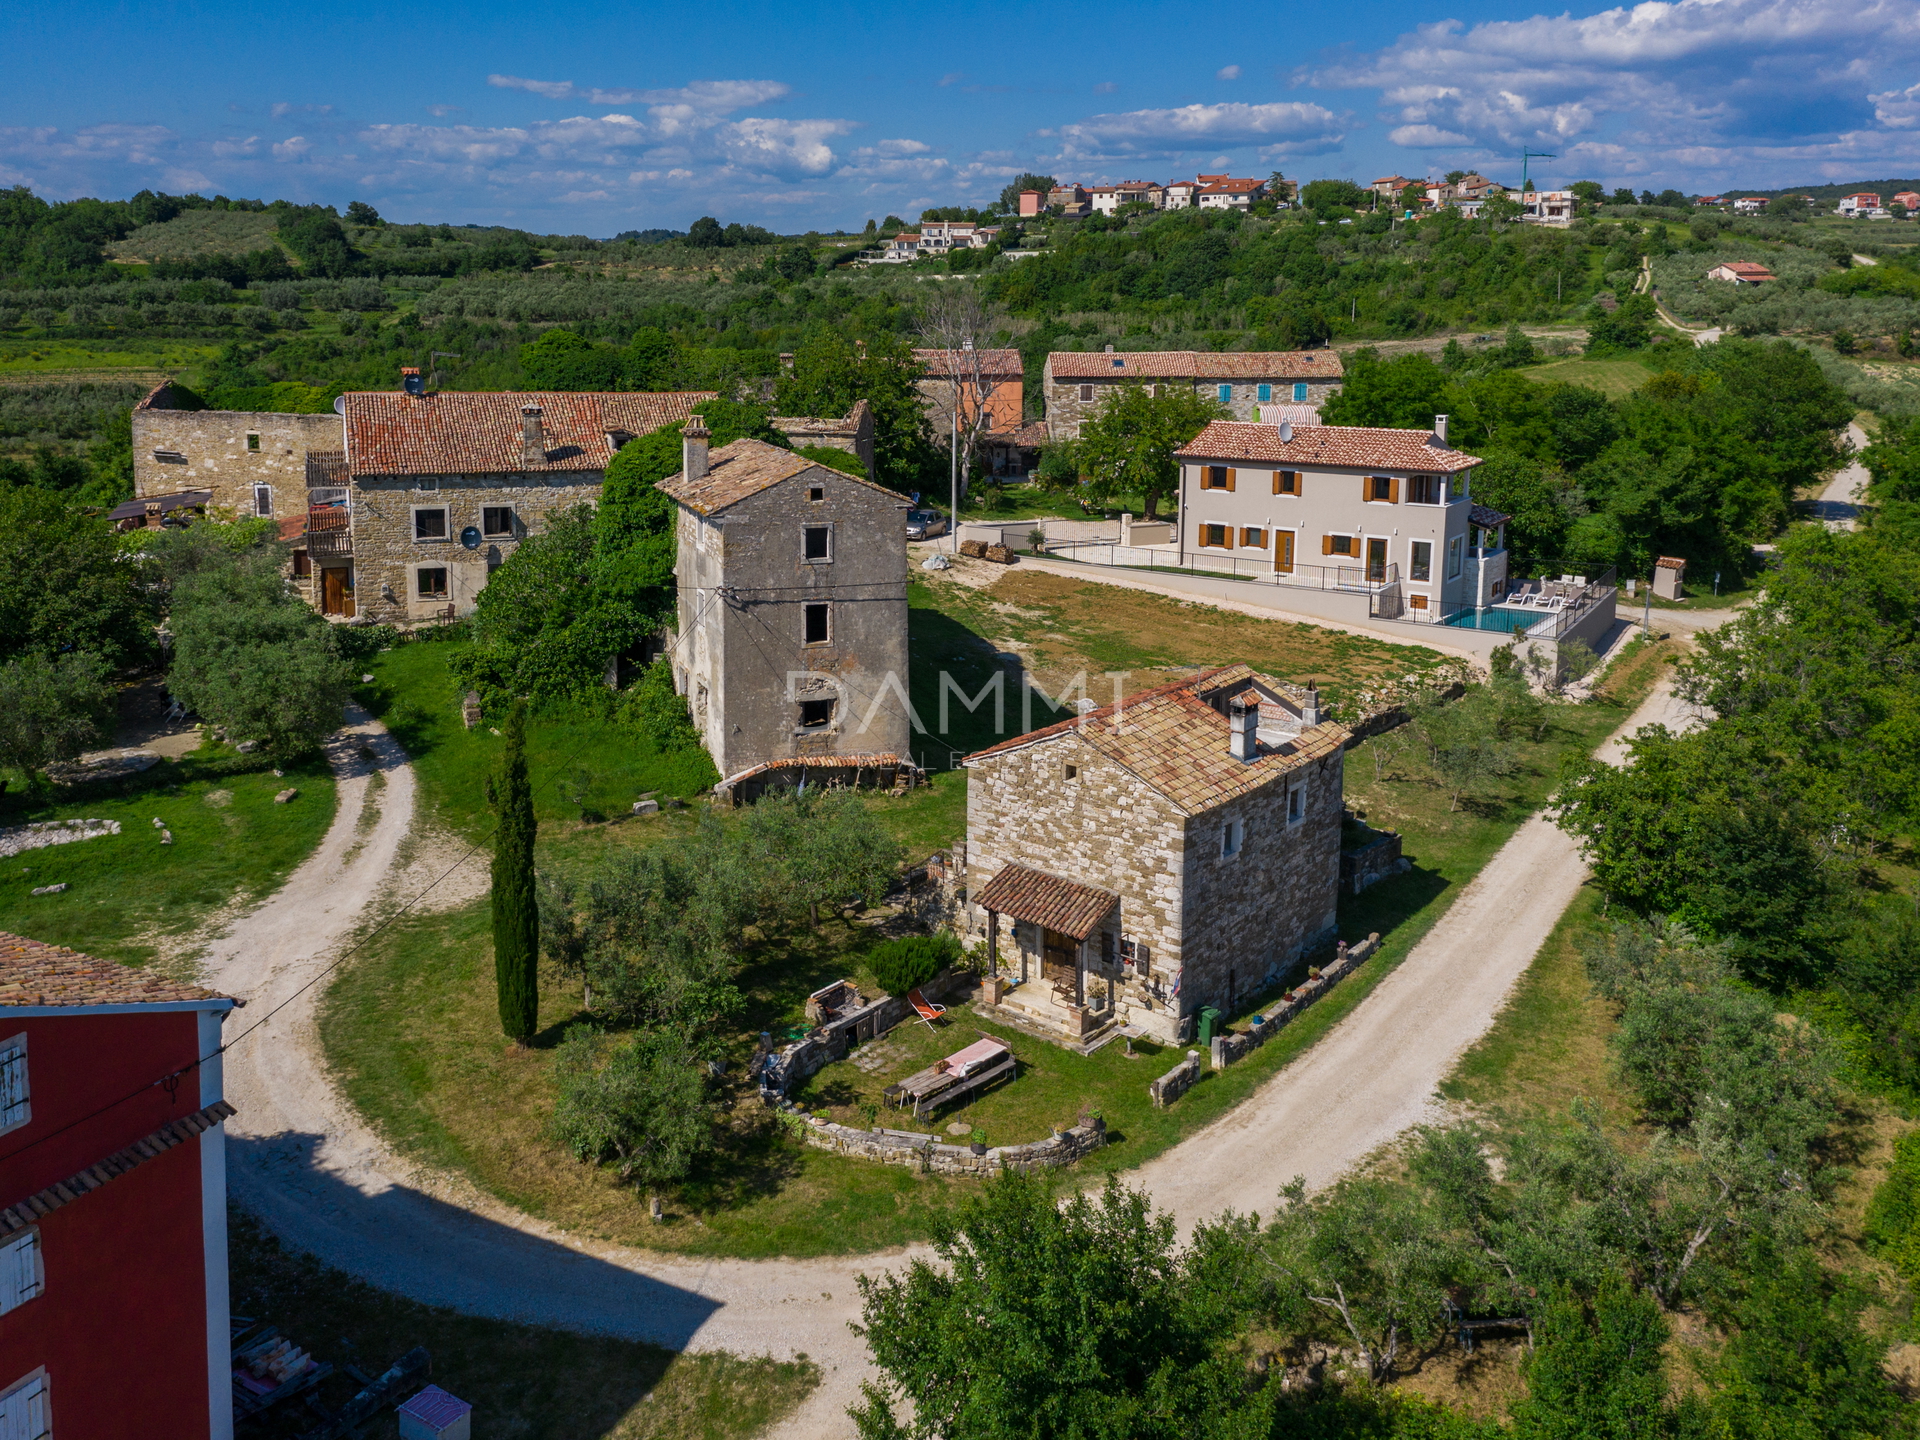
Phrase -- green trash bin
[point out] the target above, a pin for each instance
(1209, 1026)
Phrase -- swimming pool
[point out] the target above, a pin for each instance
(1511, 621)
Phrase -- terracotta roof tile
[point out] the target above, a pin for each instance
(882, 761)
(23, 1213)
(1354, 447)
(1486, 517)
(458, 432)
(1046, 900)
(33, 972)
(1176, 742)
(1196, 365)
(746, 467)
(942, 363)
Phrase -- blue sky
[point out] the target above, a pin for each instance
(605, 117)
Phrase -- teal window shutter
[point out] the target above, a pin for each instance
(1299, 392)
(1226, 393)
(1266, 393)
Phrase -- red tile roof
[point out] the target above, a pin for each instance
(33, 972)
(1749, 268)
(1234, 187)
(746, 467)
(22, 1214)
(998, 363)
(458, 432)
(1352, 447)
(1175, 741)
(1196, 365)
(883, 760)
(1046, 900)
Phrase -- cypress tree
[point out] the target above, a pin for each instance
(516, 911)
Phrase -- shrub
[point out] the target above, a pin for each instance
(908, 963)
(659, 712)
(1893, 1215)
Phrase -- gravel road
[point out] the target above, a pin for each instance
(1838, 507)
(302, 1159)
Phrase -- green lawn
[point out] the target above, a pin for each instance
(1612, 378)
(132, 899)
(413, 1030)
(522, 1380)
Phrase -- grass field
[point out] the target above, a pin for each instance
(522, 1380)
(1615, 379)
(26, 362)
(413, 1029)
(135, 900)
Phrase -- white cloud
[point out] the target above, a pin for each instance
(440, 112)
(293, 149)
(228, 148)
(718, 96)
(1304, 128)
(286, 108)
(1227, 72)
(1664, 87)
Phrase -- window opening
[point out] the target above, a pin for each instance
(1421, 566)
(1296, 804)
(818, 492)
(429, 524)
(1427, 490)
(1379, 487)
(1286, 482)
(819, 542)
(1299, 392)
(1453, 558)
(1232, 835)
(816, 624)
(1226, 393)
(496, 519)
(816, 714)
(16, 1107)
(1266, 393)
(263, 500)
(1086, 392)
(1251, 539)
(21, 1275)
(253, 441)
(23, 1409)
(1213, 535)
(431, 583)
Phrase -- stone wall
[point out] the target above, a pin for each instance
(927, 1155)
(1372, 862)
(1176, 1082)
(1066, 411)
(213, 454)
(1235, 1046)
(387, 558)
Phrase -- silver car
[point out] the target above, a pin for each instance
(925, 524)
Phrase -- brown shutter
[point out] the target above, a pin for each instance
(1393, 490)
(1199, 537)
(1231, 473)
(1326, 544)
(1366, 488)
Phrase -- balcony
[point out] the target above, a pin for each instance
(329, 532)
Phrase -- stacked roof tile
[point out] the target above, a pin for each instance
(459, 432)
(1352, 447)
(746, 467)
(1175, 741)
(16, 1218)
(1196, 365)
(1046, 900)
(35, 973)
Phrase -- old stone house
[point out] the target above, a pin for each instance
(852, 432)
(1079, 383)
(964, 382)
(249, 463)
(1176, 851)
(792, 643)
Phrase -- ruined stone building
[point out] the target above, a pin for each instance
(1176, 851)
(792, 644)
(852, 432)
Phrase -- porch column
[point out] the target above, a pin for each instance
(993, 943)
(1080, 974)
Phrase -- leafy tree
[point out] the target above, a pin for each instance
(515, 904)
(910, 961)
(1009, 201)
(818, 848)
(52, 709)
(659, 712)
(314, 234)
(1597, 1373)
(1057, 1320)
(361, 213)
(64, 586)
(652, 360)
(641, 1104)
(1326, 196)
(1128, 448)
(1403, 393)
(1629, 327)
(1539, 500)
(1059, 467)
(830, 373)
(1893, 1214)
(562, 360)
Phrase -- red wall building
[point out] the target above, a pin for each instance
(113, 1190)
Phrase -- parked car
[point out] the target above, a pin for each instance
(925, 524)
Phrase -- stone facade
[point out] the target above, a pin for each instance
(1218, 893)
(1078, 384)
(401, 577)
(852, 432)
(255, 463)
(759, 687)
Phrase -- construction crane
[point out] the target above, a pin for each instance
(1525, 156)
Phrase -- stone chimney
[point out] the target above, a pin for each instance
(1243, 729)
(1310, 710)
(693, 450)
(1440, 428)
(1109, 349)
(533, 436)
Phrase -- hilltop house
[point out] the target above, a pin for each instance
(1078, 383)
(1175, 851)
(1381, 512)
(113, 1201)
(1861, 202)
(1741, 272)
(792, 644)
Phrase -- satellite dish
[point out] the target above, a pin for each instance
(1286, 432)
(470, 537)
(339, 404)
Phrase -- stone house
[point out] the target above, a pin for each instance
(792, 643)
(1176, 851)
(1078, 383)
(442, 488)
(1741, 272)
(852, 432)
(1226, 194)
(1377, 511)
(249, 463)
(993, 378)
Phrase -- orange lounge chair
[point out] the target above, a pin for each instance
(925, 1008)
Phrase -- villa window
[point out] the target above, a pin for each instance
(1420, 562)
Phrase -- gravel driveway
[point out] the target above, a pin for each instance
(303, 1160)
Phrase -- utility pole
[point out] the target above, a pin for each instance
(1646, 615)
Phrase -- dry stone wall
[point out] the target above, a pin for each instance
(1227, 1049)
(926, 1154)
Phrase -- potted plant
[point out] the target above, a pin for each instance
(1094, 1121)
(979, 1143)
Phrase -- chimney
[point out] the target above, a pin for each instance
(693, 450)
(533, 440)
(410, 380)
(1310, 710)
(1440, 428)
(1109, 349)
(1243, 730)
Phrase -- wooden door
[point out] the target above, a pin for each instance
(1376, 561)
(333, 591)
(1283, 550)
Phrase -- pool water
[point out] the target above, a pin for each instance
(1508, 620)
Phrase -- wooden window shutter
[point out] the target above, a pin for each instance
(1231, 474)
(1199, 537)
(1366, 487)
(1393, 489)
(1326, 544)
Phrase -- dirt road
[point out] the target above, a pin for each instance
(301, 1158)
(1838, 507)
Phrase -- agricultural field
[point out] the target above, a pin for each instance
(197, 233)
